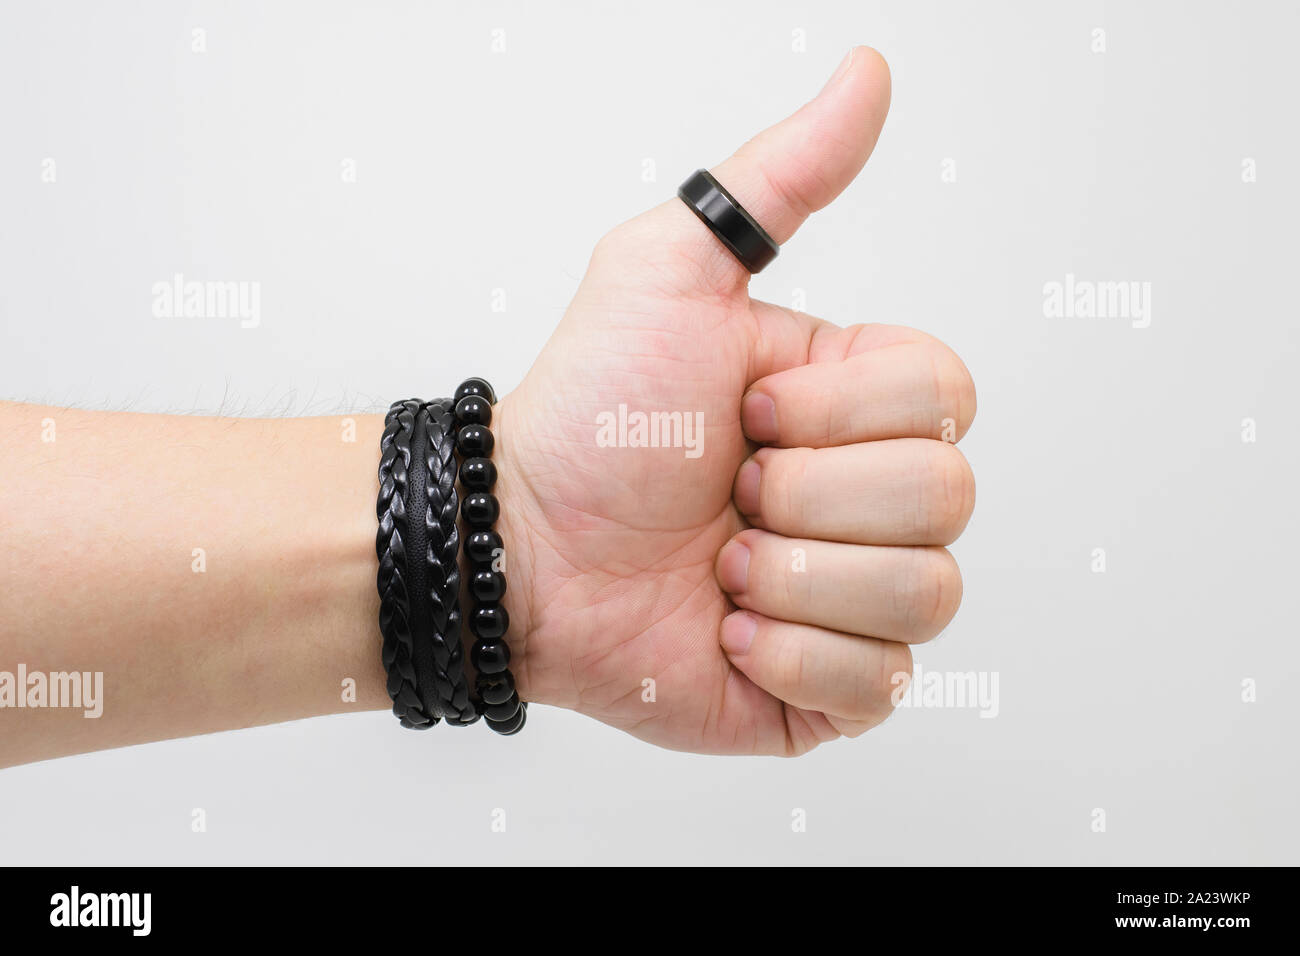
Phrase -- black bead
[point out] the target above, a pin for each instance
(497, 689)
(474, 441)
(473, 410)
(487, 586)
(504, 710)
(478, 474)
(476, 386)
(483, 546)
(480, 510)
(490, 657)
(489, 622)
(512, 726)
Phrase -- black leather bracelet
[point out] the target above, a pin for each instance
(494, 684)
(418, 545)
(433, 556)
(397, 650)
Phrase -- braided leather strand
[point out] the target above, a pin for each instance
(394, 598)
(442, 562)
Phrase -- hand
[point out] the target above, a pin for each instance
(630, 563)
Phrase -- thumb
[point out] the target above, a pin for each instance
(796, 167)
(789, 170)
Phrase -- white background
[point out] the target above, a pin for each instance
(479, 171)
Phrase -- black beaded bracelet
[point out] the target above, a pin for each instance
(496, 697)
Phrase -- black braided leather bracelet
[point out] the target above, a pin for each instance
(394, 599)
(433, 555)
(418, 546)
(494, 685)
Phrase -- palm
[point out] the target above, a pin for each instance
(622, 575)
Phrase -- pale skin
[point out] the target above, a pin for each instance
(770, 588)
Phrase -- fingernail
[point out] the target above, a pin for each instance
(733, 568)
(737, 633)
(745, 494)
(758, 416)
(841, 69)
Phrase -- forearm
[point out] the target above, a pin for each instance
(219, 573)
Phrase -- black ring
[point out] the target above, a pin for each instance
(734, 227)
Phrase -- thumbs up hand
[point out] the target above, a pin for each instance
(725, 520)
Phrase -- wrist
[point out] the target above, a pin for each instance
(518, 525)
